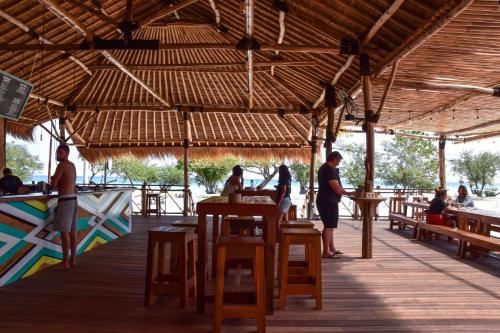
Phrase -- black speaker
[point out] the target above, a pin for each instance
(364, 64)
(330, 100)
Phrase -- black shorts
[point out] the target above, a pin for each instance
(329, 212)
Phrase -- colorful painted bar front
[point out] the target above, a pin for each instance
(28, 243)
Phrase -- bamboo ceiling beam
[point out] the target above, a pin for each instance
(89, 37)
(176, 46)
(442, 108)
(388, 88)
(216, 12)
(41, 38)
(472, 128)
(441, 18)
(45, 99)
(444, 15)
(106, 18)
(366, 40)
(129, 10)
(249, 30)
(206, 66)
(164, 12)
(281, 21)
(481, 136)
(74, 133)
(295, 94)
(445, 87)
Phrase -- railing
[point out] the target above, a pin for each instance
(348, 208)
(170, 196)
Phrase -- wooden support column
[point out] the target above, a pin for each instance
(62, 129)
(314, 142)
(330, 104)
(369, 127)
(442, 162)
(187, 140)
(3, 139)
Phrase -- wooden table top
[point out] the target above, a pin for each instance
(416, 204)
(245, 200)
(486, 216)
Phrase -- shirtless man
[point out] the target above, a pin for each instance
(64, 180)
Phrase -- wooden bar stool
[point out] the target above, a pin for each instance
(292, 213)
(238, 225)
(307, 280)
(306, 224)
(180, 281)
(240, 247)
(153, 198)
(186, 223)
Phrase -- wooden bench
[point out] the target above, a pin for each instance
(482, 241)
(402, 221)
(466, 238)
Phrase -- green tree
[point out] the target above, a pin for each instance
(408, 162)
(209, 173)
(171, 175)
(135, 169)
(353, 168)
(94, 170)
(479, 169)
(22, 163)
(300, 172)
(265, 168)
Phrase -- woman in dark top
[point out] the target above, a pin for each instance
(284, 189)
(437, 208)
(329, 195)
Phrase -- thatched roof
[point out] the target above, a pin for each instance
(198, 69)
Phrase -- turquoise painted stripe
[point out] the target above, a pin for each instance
(30, 209)
(11, 231)
(2, 244)
(96, 233)
(119, 228)
(33, 261)
(124, 221)
(83, 223)
(12, 252)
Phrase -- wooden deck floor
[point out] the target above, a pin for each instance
(407, 287)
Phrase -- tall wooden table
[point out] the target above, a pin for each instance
(249, 206)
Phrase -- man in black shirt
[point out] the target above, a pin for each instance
(9, 183)
(329, 195)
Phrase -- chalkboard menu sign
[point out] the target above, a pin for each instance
(14, 94)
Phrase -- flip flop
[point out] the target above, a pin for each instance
(333, 256)
(338, 252)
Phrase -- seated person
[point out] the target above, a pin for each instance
(9, 183)
(463, 198)
(436, 214)
(233, 183)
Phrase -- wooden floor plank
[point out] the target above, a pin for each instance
(408, 286)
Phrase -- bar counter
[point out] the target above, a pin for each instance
(27, 240)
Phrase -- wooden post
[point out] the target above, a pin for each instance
(330, 104)
(185, 210)
(62, 129)
(3, 139)
(143, 198)
(442, 162)
(314, 141)
(369, 127)
(49, 164)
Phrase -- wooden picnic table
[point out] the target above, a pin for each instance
(250, 206)
(485, 218)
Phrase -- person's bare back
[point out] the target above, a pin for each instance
(64, 179)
